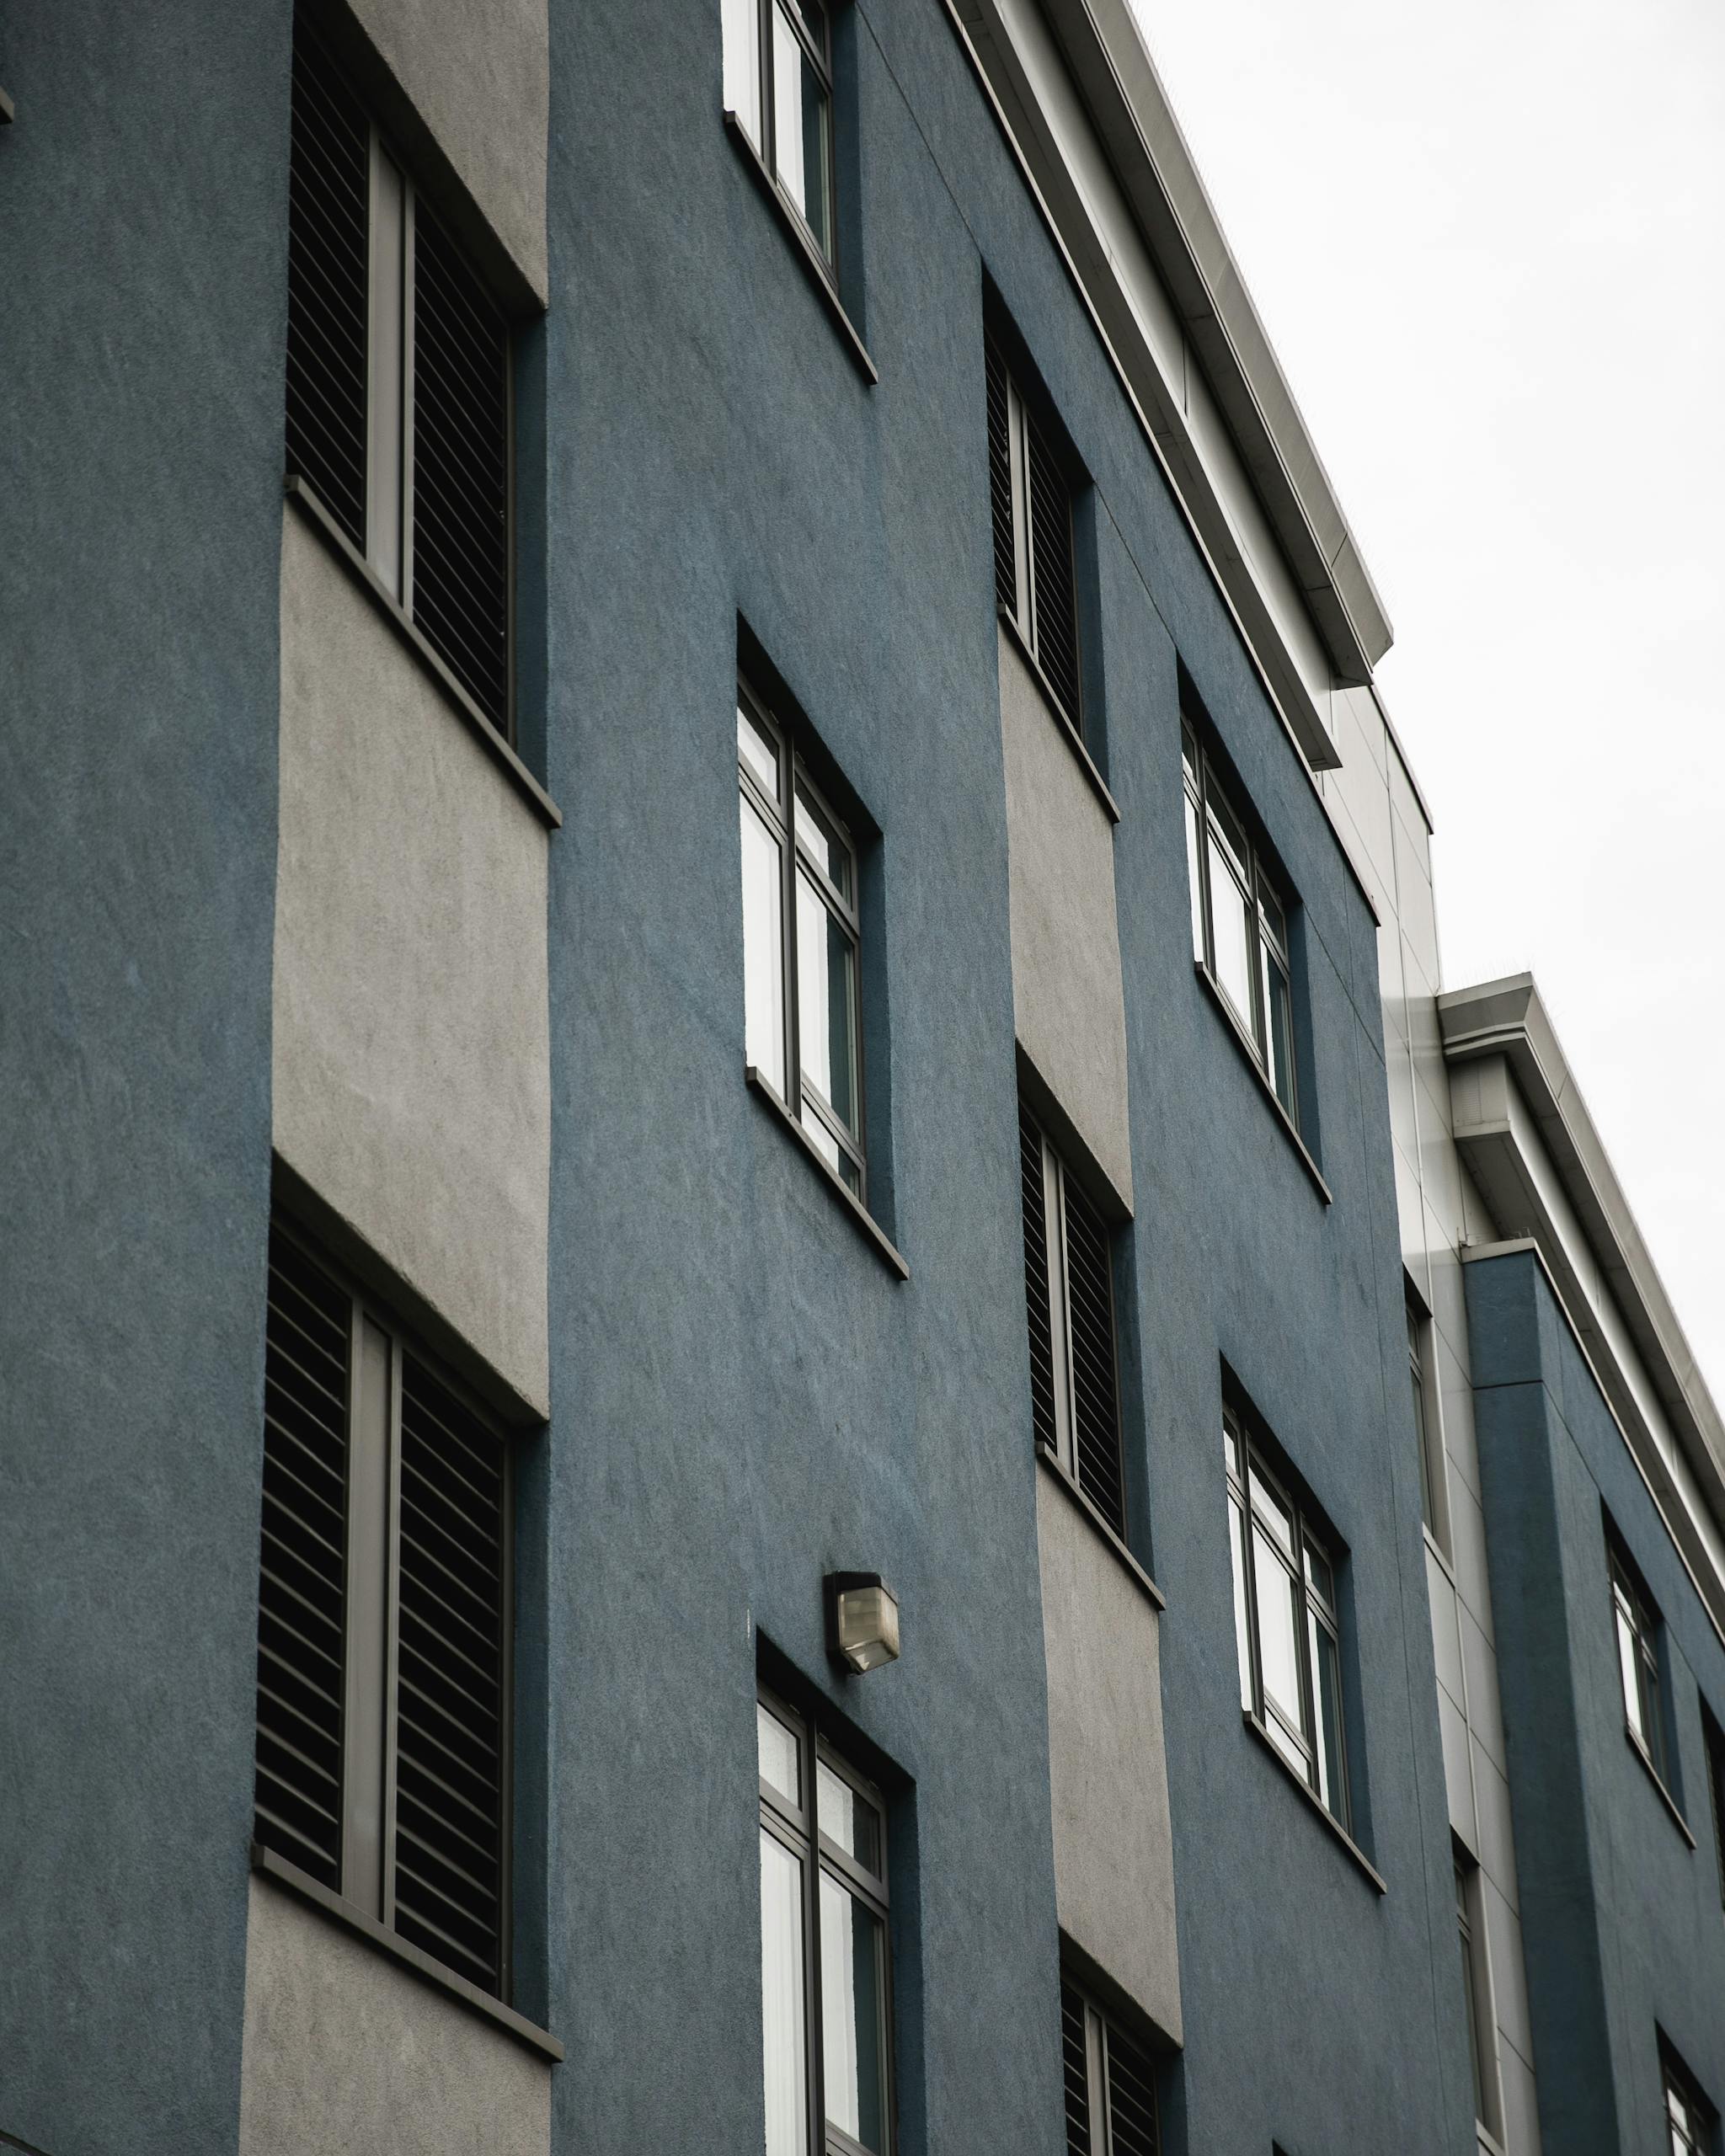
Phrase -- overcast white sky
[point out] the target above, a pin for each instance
(1487, 240)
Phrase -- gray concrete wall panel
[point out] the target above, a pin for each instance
(1113, 1852)
(412, 1088)
(347, 2051)
(1066, 993)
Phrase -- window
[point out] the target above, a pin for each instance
(1714, 1740)
(1427, 1436)
(384, 1625)
(1286, 1621)
(1034, 576)
(1070, 1297)
(1476, 1990)
(800, 938)
(1239, 922)
(1637, 1626)
(779, 85)
(826, 2016)
(398, 384)
(1110, 2085)
(1688, 2116)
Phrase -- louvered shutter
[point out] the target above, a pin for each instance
(302, 1586)
(1074, 2068)
(460, 470)
(1000, 480)
(328, 196)
(1133, 2128)
(1036, 1283)
(451, 1788)
(1051, 568)
(1096, 1415)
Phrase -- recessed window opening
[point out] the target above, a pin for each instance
(1239, 920)
(1427, 1434)
(400, 389)
(802, 933)
(1714, 1741)
(1286, 1620)
(1035, 571)
(1110, 2081)
(1070, 1301)
(1635, 1623)
(1476, 1990)
(1689, 2117)
(779, 85)
(826, 2009)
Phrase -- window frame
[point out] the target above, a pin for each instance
(1477, 1983)
(785, 827)
(796, 1828)
(1301, 1750)
(1025, 424)
(763, 135)
(369, 1707)
(1713, 1744)
(1429, 1428)
(1690, 2134)
(1102, 2031)
(1204, 793)
(1635, 1613)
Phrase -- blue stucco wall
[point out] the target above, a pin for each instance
(1621, 1917)
(143, 273)
(742, 1394)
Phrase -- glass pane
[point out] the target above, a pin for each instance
(1470, 2001)
(1272, 1512)
(780, 1755)
(1278, 1628)
(1277, 1018)
(847, 1818)
(1226, 826)
(1231, 924)
(1327, 1684)
(756, 748)
(1194, 873)
(826, 1002)
(825, 842)
(852, 2013)
(1427, 1510)
(1318, 1573)
(1237, 1541)
(1270, 914)
(830, 1150)
(763, 950)
(800, 123)
(1289, 1747)
(784, 2044)
(742, 64)
(1631, 1684)
(815, 21)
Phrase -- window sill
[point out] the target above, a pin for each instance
(268, 1865)
(301, 494)
(1243, 1041)
(1074, 739)
(1669, 1802)
(807, 253)
(1140, 1579)
(866, 1223)
(1329, 1819)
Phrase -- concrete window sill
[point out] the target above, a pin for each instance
(1329, 1819)
(1666, 1798)
(1134, 1571)
(305, 500)
(268, 1865)
(1068, 733)
(819, 273)
(1241, 1040)
(864, 1221)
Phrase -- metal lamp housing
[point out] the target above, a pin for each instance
(861, 1620)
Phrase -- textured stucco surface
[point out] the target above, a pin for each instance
(1066, 995)
(347, 2053)
(411, 1086)
(1620, 1916)
(1113, 1852)
(479, 77)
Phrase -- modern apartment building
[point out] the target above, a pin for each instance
(773, 1374)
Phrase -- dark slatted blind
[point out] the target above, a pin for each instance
(1132, 2120)
(329, 195)
(1036, 1291)
(1051, 568)
(451, 1679)
(302, 1594)
(460, 470)
(1000, 481)
(1075, 2073)
(1095, 1418)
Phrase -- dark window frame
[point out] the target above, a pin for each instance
(365, 1876)
(1637, 1626)
(1100, 2064)
(1300, 1749)
(1038, 584)
(798, 1829)
(782, 821)
(1427, 1422)
(818, 53)
(1689, 2119)
(1476, 1988)
(393, 427)
(1209, 809)
(1713, 1743)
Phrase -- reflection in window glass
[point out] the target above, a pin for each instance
(758, 752)
(1327, 1687)
(851, 1998)
(763, 949)
(1231, 924)
(826, 992)
(848, 1818)
(1277, 1629)
(1194, 845)
(1243, 1632)
(782, 1991)
(802, 119)
(780, 1765)
(742, 21)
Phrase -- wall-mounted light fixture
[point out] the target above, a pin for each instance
(861, 1620)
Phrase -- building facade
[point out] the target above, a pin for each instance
(774, 1371)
